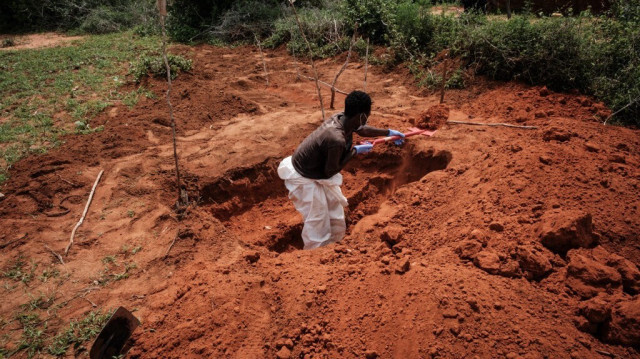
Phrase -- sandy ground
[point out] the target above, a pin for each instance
(476, 242)
(36, 41)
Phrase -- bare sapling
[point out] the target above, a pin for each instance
(264, 63)
(344, 66)
(366, 66)
(313, 65)
(183, 199)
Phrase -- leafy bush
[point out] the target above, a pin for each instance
(374, 18)
(103, 20)
(153, 65)
(93, 16)
(545, 52)
(324, 29)
(247, 19)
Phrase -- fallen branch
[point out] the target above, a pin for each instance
(323, 83)
(620, 110)
(264, 64)
(171, 245)
(492, 124)
(366, 65)
(333, 85)
(55, 254)
(313, 65)
(86, 208)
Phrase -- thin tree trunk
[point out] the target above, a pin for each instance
(313, 65)
(181, 196)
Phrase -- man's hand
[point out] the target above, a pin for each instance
(397, 133)
(367, 147)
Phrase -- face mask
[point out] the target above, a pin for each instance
(362, 124)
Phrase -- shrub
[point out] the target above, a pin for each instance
(247, 19)
(375, 18)
(324, 29)
(153, 65)
(94, 16)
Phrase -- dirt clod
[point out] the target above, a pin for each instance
(252, 257)
(588, 278)
(488, 261)
(561, 230)
(392, 235)
(534, 261)
(283, 353)
(434, 117)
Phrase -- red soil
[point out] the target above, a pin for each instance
(464, 244)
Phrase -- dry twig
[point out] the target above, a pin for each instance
(492, 124)
(324, 84)
(86, 208)
(55, 254)
(366, 65)
(264, 63)
(346, 63)
(171, 245)
(620, 110)
(313, 65)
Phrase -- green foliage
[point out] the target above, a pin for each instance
(154, 65)
(374, 18)
(78, 81)
(540, 52)
(246, 19)
(324, 29)
(92, 16)
(79, 332)
(18, 271)
(32, 339)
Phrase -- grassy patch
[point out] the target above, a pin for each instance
(19, 272)
(46, 93)
(153, 65)
(78, 332)
(36, 338)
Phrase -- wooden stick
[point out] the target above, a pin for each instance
(313, 65)
(325, 84)
(86, 208)
(333, 85)
(55, 254)
(366, 65)
(181, 195)
(492, 124)
(264, 64)
(171, 245)
(444, 80)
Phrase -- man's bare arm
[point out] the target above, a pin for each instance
(368, 131)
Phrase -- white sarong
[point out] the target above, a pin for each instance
(320, 202)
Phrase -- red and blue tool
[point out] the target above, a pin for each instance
(414, 131)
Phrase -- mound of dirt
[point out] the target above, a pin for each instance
(433, 118)
(475, 242)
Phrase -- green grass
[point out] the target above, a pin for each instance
(36, 338)
(78, 332)
(44, 92)
(18, 272)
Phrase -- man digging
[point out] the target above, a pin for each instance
(312, 174)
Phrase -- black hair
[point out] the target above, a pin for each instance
(357, 102)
